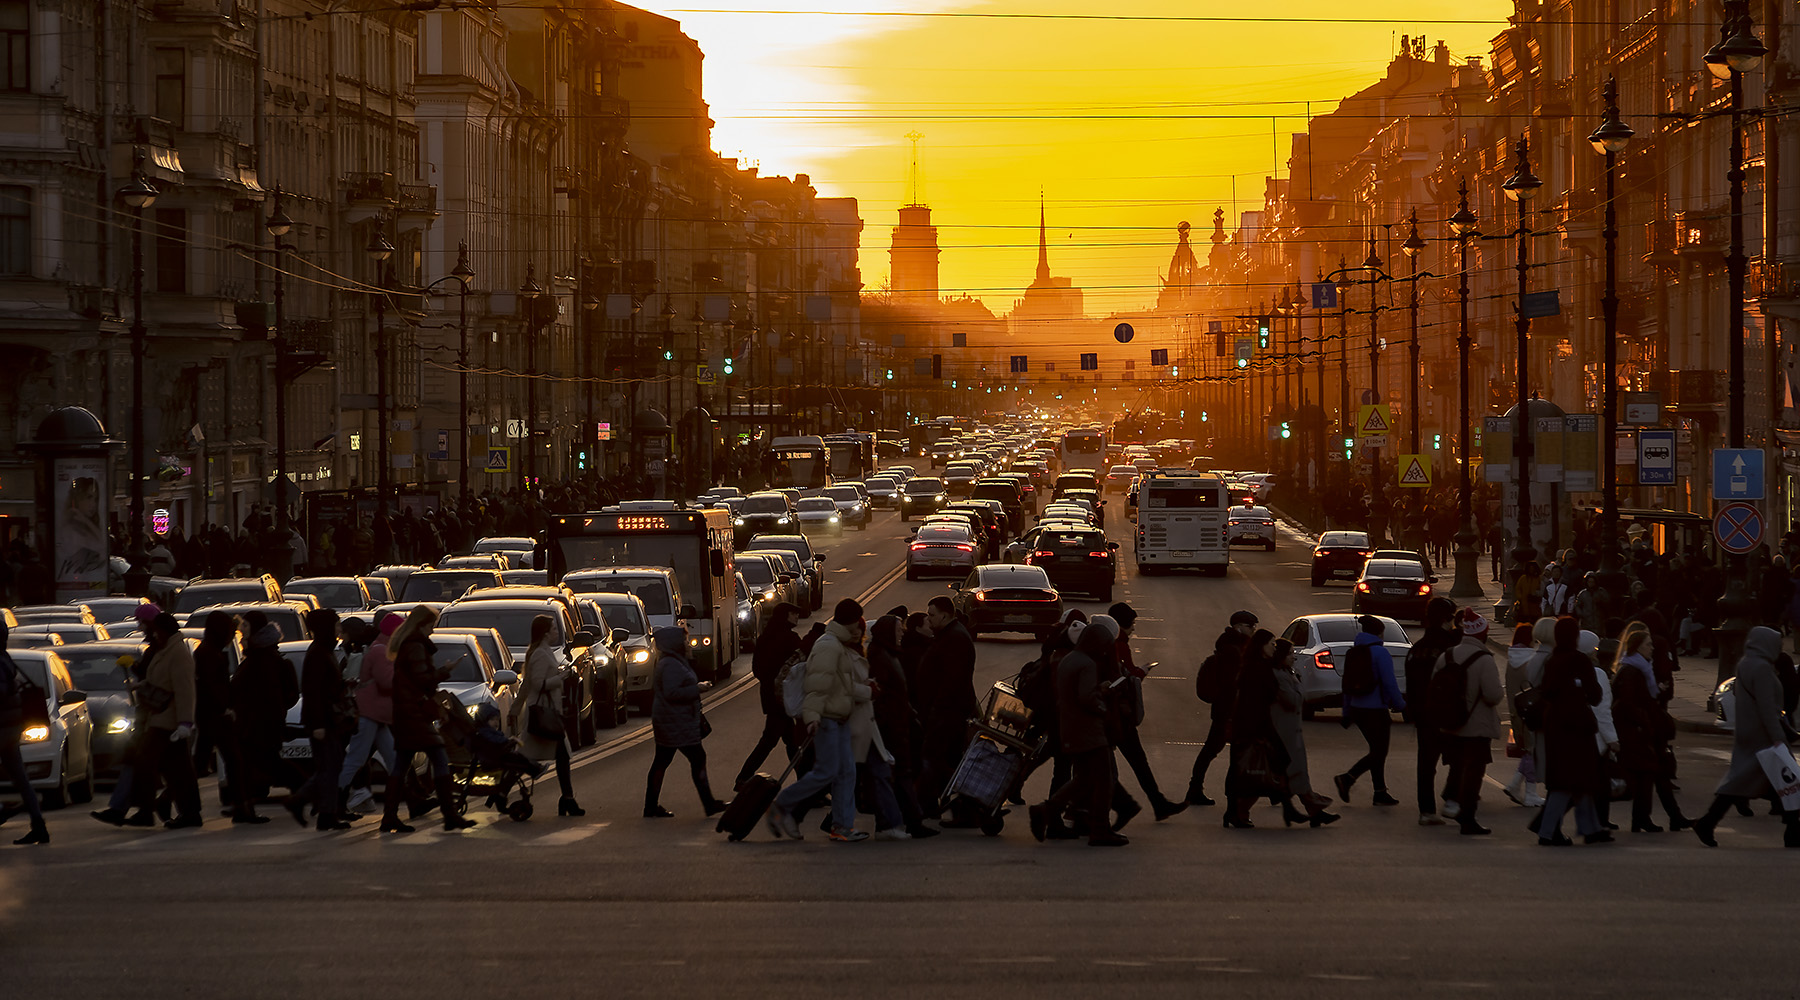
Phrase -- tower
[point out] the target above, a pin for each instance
(913, 253)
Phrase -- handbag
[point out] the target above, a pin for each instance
(1529, 703)
(1256, 765)
(543, 721)
(1514, 748)
(154, 698)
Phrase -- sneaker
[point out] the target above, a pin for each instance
(360, 798)
(772, 820)
(893, 833)
(848, 835)
(1430, 819)
(1451, 810)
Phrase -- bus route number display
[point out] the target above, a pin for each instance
(642, 523)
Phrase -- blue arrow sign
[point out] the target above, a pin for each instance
(1737, 474)
(1324, 295)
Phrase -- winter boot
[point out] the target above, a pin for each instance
(453, 817)
(40, 835)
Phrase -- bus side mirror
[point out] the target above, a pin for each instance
(718, 562)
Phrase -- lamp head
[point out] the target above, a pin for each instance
(1523, 184)
(138, 193)
(462, 271)
(379, 249)
(278, 224)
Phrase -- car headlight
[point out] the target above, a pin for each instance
(940, 496)
(738, 521)
(782, 520)
(119, 725)
(641, 656)
(834, 519)
(471, 709)
(768, 595)
(743, 616)
(35, 734)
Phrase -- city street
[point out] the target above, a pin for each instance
(616, 905)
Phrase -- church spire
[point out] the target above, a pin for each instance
(1043, 268)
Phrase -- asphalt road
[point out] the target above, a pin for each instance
(617, 905)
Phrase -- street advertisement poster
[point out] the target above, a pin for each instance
(78, 532)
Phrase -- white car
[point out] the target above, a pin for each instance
(853, 505)
(59, 760)
(819, 514)
(1251, 526)
(884, 491)
(1320, 644)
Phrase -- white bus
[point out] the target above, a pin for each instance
(1083, 448)
(1181, 522)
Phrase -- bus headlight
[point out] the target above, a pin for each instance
(782, 520)
(119, 725)
(744, 616)
(738, 521)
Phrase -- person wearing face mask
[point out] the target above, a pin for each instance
(1217, 685)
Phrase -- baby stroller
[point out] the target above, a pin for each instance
(494, 754)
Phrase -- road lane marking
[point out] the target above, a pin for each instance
(567, 836)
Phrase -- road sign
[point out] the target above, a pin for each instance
(1537, 305)
(1656, 458)
(499, 459)
(1496, 449)
(1373, 441)
(1373, 420)
(442, 454)
(1642, 409)
(1414, 470)
(515, 429)
(1737, 474)
(1123, 333)
(1246, 348)
(1738, 527)
(703, 375)
(1324, 295)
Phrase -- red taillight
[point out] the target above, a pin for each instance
(1322, 659)
(1363, 587)
(916, 546)
(1424, 589)
(965, 546)
(1042, 554)
(980, 595)
(1365, 552)
(1099, 555)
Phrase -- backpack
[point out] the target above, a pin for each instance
(1447, 706)
(1359, 672)
(1210, 681)
(793, 684)
(1037, 687)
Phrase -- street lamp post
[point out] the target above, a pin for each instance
(1610, 139)
(278, 225)
(1521, 187)
(1411, 248)
(462, 274)
(1377, 505)
(1738, 52)
(1468, 577)
(529, 293)
(137, 195)
(379, 250)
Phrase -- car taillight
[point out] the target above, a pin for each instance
(980, 595)
(1322, 659)
(1365, 552)
(1042, 554)
(965, 546)
(1102, 554)
(1424, 589)
(1364, 587)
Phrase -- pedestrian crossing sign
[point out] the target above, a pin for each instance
(1414, 471)
(1373, 420)
(499, 459)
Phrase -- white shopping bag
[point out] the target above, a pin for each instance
(1778, 763)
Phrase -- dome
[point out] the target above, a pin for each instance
(650, 421)
(1535, 407)
(71, 427)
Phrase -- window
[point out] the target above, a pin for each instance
(169, 236)
(15, 45)
(15, 229)
(170, 67)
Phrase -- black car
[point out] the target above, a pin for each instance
(811, 562)
(1339, 554)
(921, 495)
(1077, 560)
(763, 512)
(1006, 598)
(1399, 588)
(95, 669)
(1010, 495)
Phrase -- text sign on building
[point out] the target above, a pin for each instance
(1640, 409)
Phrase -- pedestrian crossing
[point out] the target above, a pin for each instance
(222, 833)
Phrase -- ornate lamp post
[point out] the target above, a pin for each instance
(1377, 504)
(462, 274)
(1411, 248)
(1738, 52)
(278, 225)
(378, 251)
(530, 295)
(1468, 578)
(1521, 187)
(1610, 139)
(137, 195)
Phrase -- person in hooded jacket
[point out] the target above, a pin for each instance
(1228, 650)
(1572, 765)
(1758, 725)
(1083, 703)
(416, 719)
(1470, 746)
(677, 722)
(327, 717)
(832, 695)
(1370, 711)
(1252, 724)
(262, 691)
(774, 647)
(894, 716)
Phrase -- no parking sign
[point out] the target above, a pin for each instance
(1738, 527)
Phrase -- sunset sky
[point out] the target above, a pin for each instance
(1128, 124)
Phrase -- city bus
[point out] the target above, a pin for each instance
(801, 461)
(852, 454)
(1181, 522)
(696, 544)
(1083, 448)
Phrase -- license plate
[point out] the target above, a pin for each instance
(1393, 590)
(1342, 572)
(301, 752)
(1012, 619)
(1183, 554)
(938, 562)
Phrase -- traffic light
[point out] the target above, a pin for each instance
(668, 353)
(1174, 373)
(1349, 448)
(1243, 362)
(1262, 333)
(1286, 431)
(729, 367)
(890, 374)
(1437, 441)
(1203, 417)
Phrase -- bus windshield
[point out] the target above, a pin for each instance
(796, 461)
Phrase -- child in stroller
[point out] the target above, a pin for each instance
(491, 750)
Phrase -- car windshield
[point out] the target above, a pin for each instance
(1336, 630)
(513, 624)
(228, 593)
(923, 486)
(756, 571)
(1344, 539)
(446, 585)
(624, 616)
(844, 493)
(943, 533)
(764, 503)
(789, 561)
(1014, 576)
(96, 670)
(818, 504)
(463, 659)
(1071, 541)
(800, 547)
(330, 595)
(1250, 514)
(1394, 569)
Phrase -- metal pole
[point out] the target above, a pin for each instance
(1412, 353)
(1735, 265)
(1377, 509)
(1344, 414)
(462, 389)
(1522, 444)
(135, 514)
(384, 486)
(280, 338)
(1468, 577)
(1609, 310)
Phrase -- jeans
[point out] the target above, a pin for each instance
(371, 737)
(834, 769)
(887, 802)
(1587, 822)
(14, 763)
(1376, 726)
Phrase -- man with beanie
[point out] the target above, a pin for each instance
(1367, 706)
(1082, 707)
(1470, 745)
(1217, 685)
(1129, 714)
(1441, 634)
(832, 695)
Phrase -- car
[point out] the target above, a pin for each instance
(1071, 510)
(921, 495)
(853, 505)
(58, 757)
(402, 608)
(288, 616)
(763, 575)
(749, 615)
(992, 518)
(1404, 555)
(819, 514)
(520, 552)
(1078, 561)
(769, 510)
(943, 451)
(39, 640)
(1008, 493)
(942, 547)
(71, 633)
(1120, 477)
(339, 593)
(94, 669)
(109, 610)
(985, 545)
(1250, 525)
(396, 576)
(1320, 644)
(524, 577)
(1004, 598)
(485, 560)
(489, 639)
(812, 563)
(200, 593)
(594, 694)
(624, 613)
(959, 476)
(800, 586)
(381, 589)
(446, 585)
(1339, 554)
(1398, 587)
(884, 491)
(655, 586)
(50, 614)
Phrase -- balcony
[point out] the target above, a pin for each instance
(1704, 232)
(1659, 243)
(418, 199)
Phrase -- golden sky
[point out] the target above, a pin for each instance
(1128, 125)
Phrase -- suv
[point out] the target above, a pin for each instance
(960, 476)
(339, 593)
(447, 584)
(625, 613)
(811, 563)
(200, 593)
(1010, 495)
(921, 495)
(765, 511)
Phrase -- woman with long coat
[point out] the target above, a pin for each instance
(546, 671)
(1572, 769)
(1251, 726)
(1758, 725)
(1641, 719)
(262, 691)
(1285, 716)
(677, 722)
(416, 720)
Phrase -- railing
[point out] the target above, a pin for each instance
(418, 198)
(363, 186)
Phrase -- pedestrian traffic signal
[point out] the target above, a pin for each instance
(1286, 431)
(1437, 440)
(1203, 416)
(1262, 333)
(1349, 448)
(668, 354)
(1243, 362)
(1174, 373)
(729, 367)
(890, 374)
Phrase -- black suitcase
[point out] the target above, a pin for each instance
(752, 802)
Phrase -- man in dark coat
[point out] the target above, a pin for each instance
(1441, 635)
(262, 691)
(1228, 655)
(946, 678)
(1082, 708)
(774, 647)
(325, 714)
